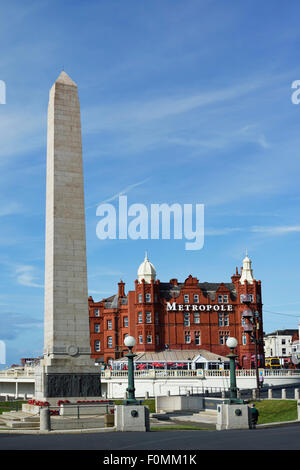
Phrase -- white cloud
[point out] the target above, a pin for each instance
(221, 231)
(25, 276)
(120, 193)
(9, 209)
(277, 230)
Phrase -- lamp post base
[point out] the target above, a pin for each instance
(232, 416)
(132, 418)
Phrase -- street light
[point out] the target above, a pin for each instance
(130, 342)
(232, 343)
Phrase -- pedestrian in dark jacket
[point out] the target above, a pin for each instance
(253, 416)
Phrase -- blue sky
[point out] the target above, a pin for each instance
(182, 101)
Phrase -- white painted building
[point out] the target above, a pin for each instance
(279, 345)
(296, 349)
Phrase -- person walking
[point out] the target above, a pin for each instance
(253, 416)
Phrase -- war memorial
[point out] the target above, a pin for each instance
(67, 370)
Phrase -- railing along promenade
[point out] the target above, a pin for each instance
(26, 372)
(153, 373)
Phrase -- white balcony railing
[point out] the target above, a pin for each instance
(156, 373)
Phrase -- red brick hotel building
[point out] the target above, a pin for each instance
(177, 316)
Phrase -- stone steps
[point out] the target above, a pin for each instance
(19, 420)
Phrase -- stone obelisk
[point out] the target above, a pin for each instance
(67, 370)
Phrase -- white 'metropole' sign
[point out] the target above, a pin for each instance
(199, 308)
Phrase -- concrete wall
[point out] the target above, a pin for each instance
(15, 388)
(186, 403)
(84, 409)
(178, 403)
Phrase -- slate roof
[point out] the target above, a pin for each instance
(168, 290)
(175, 356)
(283, 333)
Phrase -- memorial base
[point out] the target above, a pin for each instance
(72, 383)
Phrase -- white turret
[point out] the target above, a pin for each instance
(146, 271)
(247, 274)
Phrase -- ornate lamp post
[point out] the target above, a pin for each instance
(231, 343)
(130, 342)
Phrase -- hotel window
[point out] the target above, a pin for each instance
(244, 340)
(97, 346)
(140, 298)
(187, 337)
(246, 298)
(225, 299)
(97, 328)
(125, 322)
(149, 339)
(109, 324)
(223, 338)
(196, 298)
(140, 317)
(148, 317)
(197, 338)
(140, 339)
(187, 319)
(196, 317)
(109, 341)
(186, 299)
(97, 312)
(223, 319)
(148, 298)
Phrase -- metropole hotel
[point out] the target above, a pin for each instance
(174, 322)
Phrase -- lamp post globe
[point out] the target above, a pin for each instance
(129, 341)
(231, 342)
